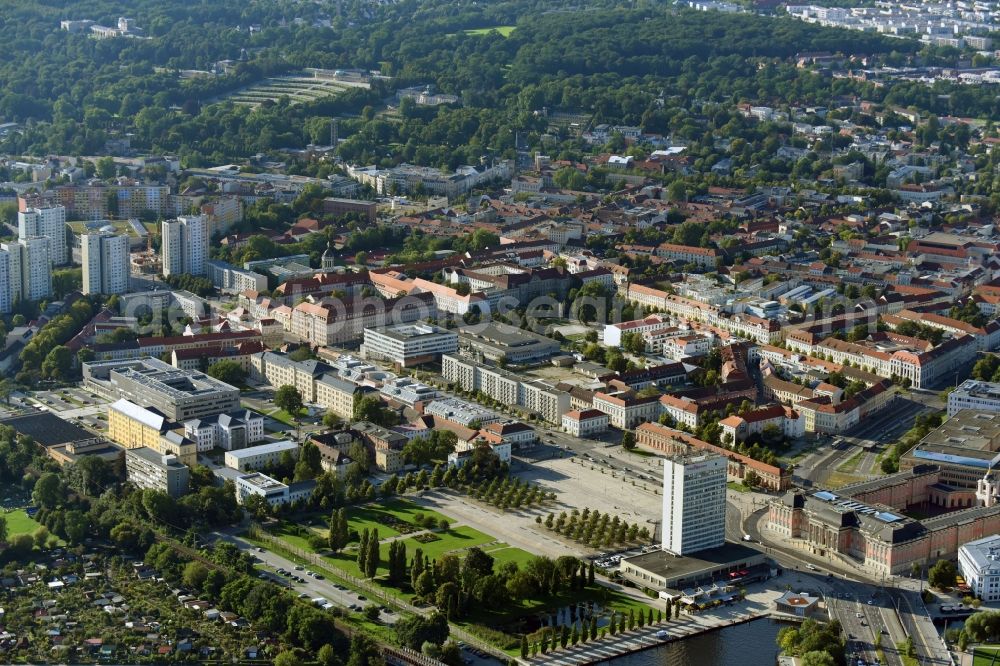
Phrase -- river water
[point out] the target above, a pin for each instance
(749, 644)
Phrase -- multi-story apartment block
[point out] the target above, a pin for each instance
(233, 280)
(105, 260)
(91, 202)
(28, 275)
(46, 222)
(184, 246)
(7, 282)
(145, 468)
(544, 399)
(549, 402)
(36, 271)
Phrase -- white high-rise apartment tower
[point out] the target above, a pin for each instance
(105, 263)
(48, 222)
(694, 503)
(36, 272)
(184, 245)
(6, 300)
(25, 272)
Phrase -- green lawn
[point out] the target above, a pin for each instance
(501, 553)
(401, 509)
(986, 656)
(850, 466)
(377, 515)
(504, 30)
(18, 522)
(283, 416)
(452, 540)
(738, 487)
(456, 539)
(289, 533)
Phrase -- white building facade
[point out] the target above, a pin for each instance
(105, 263)
(694, 503)
(974, 394)
(46, 222)
(979, 564)
(184, 246)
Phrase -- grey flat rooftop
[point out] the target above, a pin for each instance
(47, 429)
(662, 563)
(504, 335)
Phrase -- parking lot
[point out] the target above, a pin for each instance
(610, 559)
(308, 584)
(14, 498)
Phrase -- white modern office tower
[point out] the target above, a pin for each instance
(47, 222)
(694, 503)
(184, 245)
(105, 263)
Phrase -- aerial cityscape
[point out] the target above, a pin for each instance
(423, 332)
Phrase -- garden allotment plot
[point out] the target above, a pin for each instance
(299, 87)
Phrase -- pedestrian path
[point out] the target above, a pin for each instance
(635, 640)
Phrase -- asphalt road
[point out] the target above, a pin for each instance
(893, 609)
(878, 432)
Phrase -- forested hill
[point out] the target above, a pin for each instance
(604, 59)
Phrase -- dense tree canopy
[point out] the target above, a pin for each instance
(632, 65)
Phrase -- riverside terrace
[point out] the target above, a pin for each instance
(682, 576)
